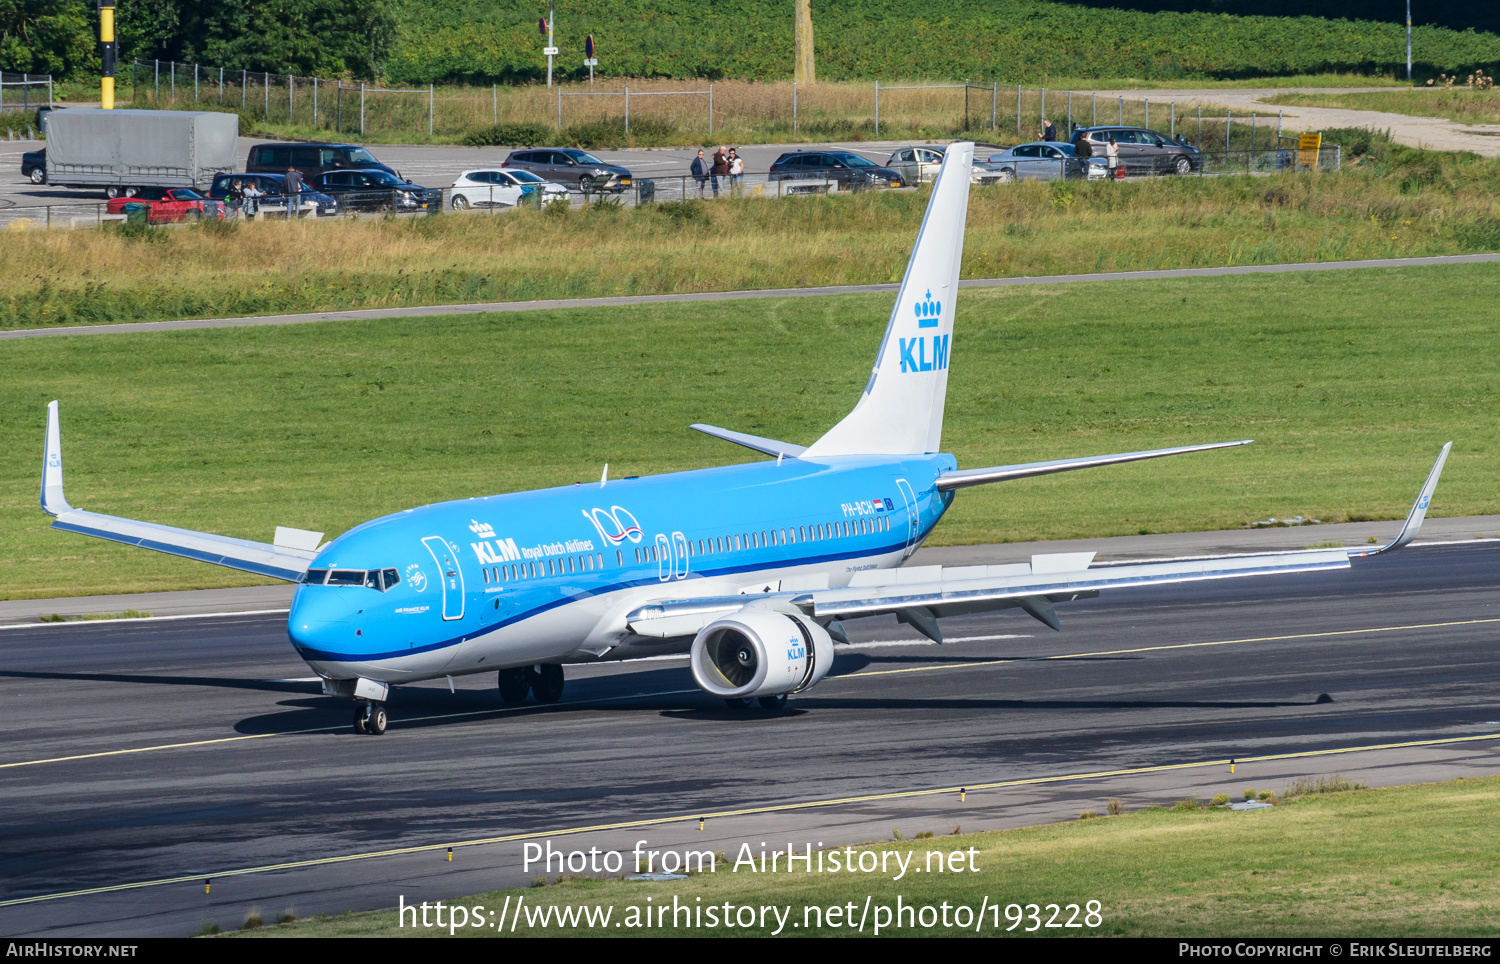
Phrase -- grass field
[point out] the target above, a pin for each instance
(1402, 862)
(1457, 104)
(1350, 381)
(1389, 201)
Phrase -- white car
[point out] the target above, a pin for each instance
(920, 164)
(495, 188)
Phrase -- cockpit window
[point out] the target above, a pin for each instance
(380, 580)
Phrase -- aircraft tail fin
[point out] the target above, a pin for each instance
(901, 411)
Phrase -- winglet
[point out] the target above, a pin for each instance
(53, 502)
(1418, 511)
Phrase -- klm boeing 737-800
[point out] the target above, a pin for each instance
(751, 569)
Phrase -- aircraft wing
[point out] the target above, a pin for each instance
(920, 595)
(287, 559)
(960, 479)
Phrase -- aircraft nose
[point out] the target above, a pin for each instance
(323, 623)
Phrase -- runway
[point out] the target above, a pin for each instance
(191, 749)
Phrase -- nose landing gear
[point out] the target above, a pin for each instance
(370, 719)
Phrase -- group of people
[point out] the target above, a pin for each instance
(1085, 149)
(726, 162)
(243, 195)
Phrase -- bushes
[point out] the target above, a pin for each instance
(510, 135)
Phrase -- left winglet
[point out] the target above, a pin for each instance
(1418, 511)
(53, 502)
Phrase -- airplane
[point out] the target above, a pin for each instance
(751, 569)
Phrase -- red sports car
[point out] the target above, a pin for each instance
(165, 205)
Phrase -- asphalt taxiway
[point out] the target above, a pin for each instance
(179, 751)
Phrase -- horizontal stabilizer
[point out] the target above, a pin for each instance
(769, 446)
(278, 561)
(1005, 473)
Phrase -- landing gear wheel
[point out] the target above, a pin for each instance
(375, 722)
(513, 686)
(1182, 166)
(773, 703)
(736, 703)
(359, 721)
(546, 682)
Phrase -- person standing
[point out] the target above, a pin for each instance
(1112, 156)
(252, 195)
(736, 172)
(1049, 132)
(720, 168)
(700, 169)
(292, 187)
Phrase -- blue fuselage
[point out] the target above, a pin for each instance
(548, 576)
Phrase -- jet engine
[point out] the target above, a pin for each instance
(752, 654)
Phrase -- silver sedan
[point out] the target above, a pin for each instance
(1039, 161)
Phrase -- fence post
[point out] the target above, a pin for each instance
(1173, 107)
(49, 90)
(966, 103)
(172, 71)
(1043, 114)
(289, 112)
(1252, 132)
(156, 91)
(1228, 122)
(1121, 121)
(1278, 127)
(195, 82)
(559, 105)
(710, 111)
(338, 106)
(1148, 113)
(265, 81)
(495, 96)
(627, 108)
(430, 103)
(877, 108)
(1200, 127)
(1018, 110)
(1094, 106)
(221, 85)
(361, 108)
(794, 107)
(244, 88)
(1070, 113)
(994, 105)
(315, 102)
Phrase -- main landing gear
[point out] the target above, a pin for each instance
(370, 718)
(544, 681)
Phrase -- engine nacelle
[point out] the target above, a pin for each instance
(762, 653)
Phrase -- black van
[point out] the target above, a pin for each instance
(310, 159)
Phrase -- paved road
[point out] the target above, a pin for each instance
(252, 767)
(621, 300)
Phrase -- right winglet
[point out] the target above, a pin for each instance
(53, 502)
(1418, 511)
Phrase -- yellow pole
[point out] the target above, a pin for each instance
(107, 54)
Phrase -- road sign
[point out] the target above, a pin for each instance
(591, 62)
(542, 26)
(588, 47)
(549, 51)
(1308, 148)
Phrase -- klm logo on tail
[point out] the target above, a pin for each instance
(928, 312)
(915, 358)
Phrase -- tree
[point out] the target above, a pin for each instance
(45, 36)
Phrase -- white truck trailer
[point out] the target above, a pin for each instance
(118, 150)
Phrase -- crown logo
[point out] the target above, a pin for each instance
(482, 529)
(928, 312)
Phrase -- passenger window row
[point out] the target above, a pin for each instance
(565, 565)
(716, 545)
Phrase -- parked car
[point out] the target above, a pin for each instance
(272, 199)
(571, 167)
(311, 159)
(367, 190)
(492, 188)
(34, 166)
(1038, 161)
(821, 171)
(168, 205)
(1143, 151)
(916, 164)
